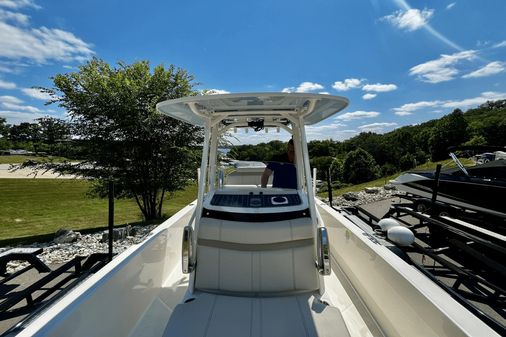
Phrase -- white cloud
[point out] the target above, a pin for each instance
(403, 113)
(475, 101)
(369, 96)
(357, 115)
(409, 108)
(20, 41)
(323, 127)
(16, 4)
(13, 17)
(309, 86)
(442, 69)
(7, 85)
(347, 84)
(324, 93)
(440, 105)
(18, 107)
(329, 131)
(450, 6)
(378, 87)
(10, 99)
(215, 92)
(492, 68)
(36, 93)
(304, 87)
(500, 44)
(5, 69)
(16, 117)
(376, 127)
(410, 19)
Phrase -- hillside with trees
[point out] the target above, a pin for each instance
(369, 155)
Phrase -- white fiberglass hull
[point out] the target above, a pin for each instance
(376, 293)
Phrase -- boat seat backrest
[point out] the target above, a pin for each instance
(256, 257)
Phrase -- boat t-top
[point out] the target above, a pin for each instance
(248, 261)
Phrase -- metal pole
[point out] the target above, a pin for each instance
(111, 216)
(329, 186)
(435, 189)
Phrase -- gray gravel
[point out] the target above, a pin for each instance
(363, 198)
(87, 244)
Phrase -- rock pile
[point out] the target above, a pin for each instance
(68, 244)
(366, 196)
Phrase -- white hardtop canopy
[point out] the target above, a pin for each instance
(219, 113)
(272, 108)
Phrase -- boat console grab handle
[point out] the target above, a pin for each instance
(323, 251)
(188, 262)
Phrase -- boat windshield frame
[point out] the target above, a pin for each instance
(220, 113)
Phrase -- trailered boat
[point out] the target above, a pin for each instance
(243, 260)
(480, 188)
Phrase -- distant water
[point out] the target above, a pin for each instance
(224, 150)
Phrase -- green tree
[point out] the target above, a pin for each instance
(359, 166)
(322, 165)
(4, 127)
(387, 170)
(53, 130)
(451, 130)
(336, 169)
(407, 162)
(122, 137)
(24, 132)
(4, 132)
(476, 140)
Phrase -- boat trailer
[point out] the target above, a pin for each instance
(465, 260)
(44, 291)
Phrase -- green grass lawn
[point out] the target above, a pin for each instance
(31, 207)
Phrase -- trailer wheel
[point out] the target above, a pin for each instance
(444, 213)
(421, 206)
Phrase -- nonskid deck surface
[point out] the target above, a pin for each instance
(214, 315)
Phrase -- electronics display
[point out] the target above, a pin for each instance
(255, 200)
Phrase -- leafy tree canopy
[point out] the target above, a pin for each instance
(451, 130)
(120, 134)
(359, 166)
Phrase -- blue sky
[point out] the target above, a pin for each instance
(398, 62)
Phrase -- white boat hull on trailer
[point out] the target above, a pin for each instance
(245, 260)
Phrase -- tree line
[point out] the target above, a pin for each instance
(369, 155)
(46, 135)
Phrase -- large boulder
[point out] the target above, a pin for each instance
(118, 234)
(351, 196)
(64, 235)
(372, 190)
